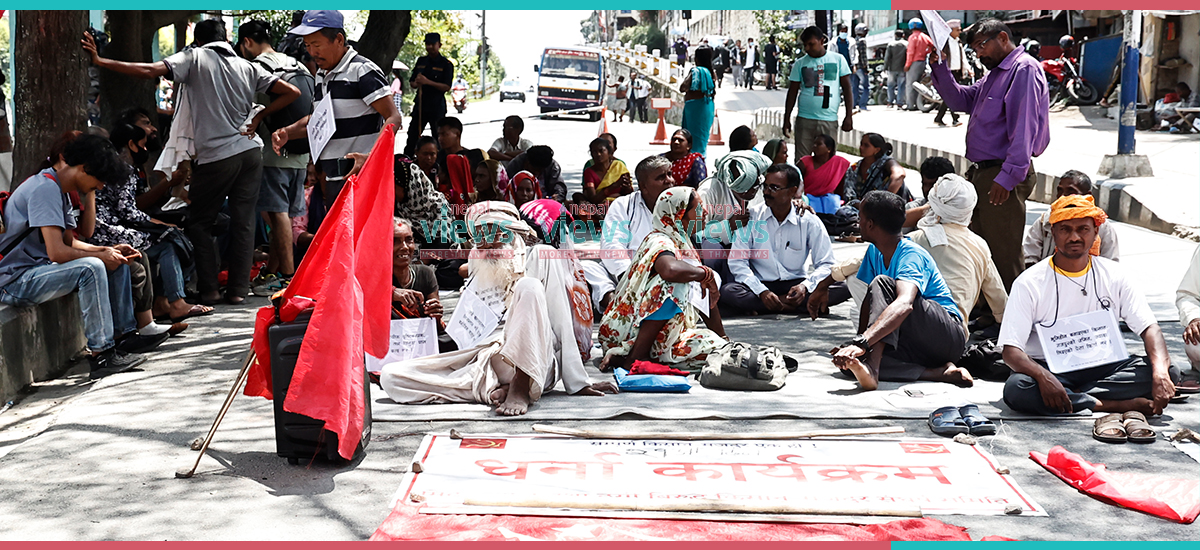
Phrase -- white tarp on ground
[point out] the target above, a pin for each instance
(938, 476)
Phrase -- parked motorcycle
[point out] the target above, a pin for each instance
(1064, 81)
(932, 99)
(459, 95)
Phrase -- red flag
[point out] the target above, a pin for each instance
(349, 260)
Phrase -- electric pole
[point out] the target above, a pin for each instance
(483, 54)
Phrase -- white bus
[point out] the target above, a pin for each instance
(570, 78)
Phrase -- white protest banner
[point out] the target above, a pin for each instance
(320, 126)
(936, 476)
(473, 320)
(938, 29)
(1082, 341)
(410, 339)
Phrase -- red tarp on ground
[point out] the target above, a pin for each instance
(406, 523)
(1168, 498)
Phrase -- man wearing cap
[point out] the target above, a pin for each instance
(919, 46)
(1072, 282)
(958, 69)
(431, 78)
(360, 94)
(1009, 125)
(220, 92)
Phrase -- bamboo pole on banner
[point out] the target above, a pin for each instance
(243, 374)
(696, 436)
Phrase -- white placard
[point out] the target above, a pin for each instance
(473, 320)
(1082, 341)
(321, 126)
(938, 29)
(410, 339)
(698, 299)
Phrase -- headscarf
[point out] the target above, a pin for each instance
(772, 148)
(751, 167)
(422, 202)
(504, 214)
(459, 183)
(668, 215)
(499, 180)
(951, 200)
(1073, 207)
(511, 194)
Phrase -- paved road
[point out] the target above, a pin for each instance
(95, 460)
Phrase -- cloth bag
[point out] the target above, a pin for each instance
(745, 367)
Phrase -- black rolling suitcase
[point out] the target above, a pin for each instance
(298, 437)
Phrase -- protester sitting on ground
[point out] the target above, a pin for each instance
(510, 144)
(824, 172)
(687, 168)
(534, 346)
(419, 202)
(876, 171)
(414, 285)
(611, 139)
(1166, 108)
(119, 221)
(1039, 239)
(1187, 300)
(606, 179)
(778, 281)
(1074, 281)
(539, 161)
(491, 181)
(426, 158)
(628, 221)
(456, 180)
(221, 90)
(154, 188)
(551, 221)
(449, 137)
(727, 192)
(652, 317)
(523, 188)
(743, 138)
(932, 169)
(42, 260)
(909, 327)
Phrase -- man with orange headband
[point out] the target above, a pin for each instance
(1055, 329)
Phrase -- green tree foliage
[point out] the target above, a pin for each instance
(773, 23)
(650, 36)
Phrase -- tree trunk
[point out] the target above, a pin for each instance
(50, 83)
(383, 36)
(132, 38)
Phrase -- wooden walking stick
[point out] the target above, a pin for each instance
(241, 379)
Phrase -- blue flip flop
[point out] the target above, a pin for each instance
(947, 421)
(976, 422)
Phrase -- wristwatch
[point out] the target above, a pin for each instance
(859, 342)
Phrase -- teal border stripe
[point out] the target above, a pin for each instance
(450, 4)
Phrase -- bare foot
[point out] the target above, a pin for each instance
(862, 374)
(958, 376)
(498, 395)
(516, 404)
(1139, 404)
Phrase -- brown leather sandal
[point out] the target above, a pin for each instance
(1137, 430)
(1110, 428)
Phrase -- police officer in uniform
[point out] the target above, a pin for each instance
(431, 78)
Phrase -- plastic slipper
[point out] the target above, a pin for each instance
(976, 422)
(947, 421)
(1137, 429)
(1187, 387)
(1110, 428)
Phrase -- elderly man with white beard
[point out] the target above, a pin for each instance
(538, 300)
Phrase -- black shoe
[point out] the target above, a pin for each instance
(113, 361)
(138, 343)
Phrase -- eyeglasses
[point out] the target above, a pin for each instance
(774, 188)
(980, 45)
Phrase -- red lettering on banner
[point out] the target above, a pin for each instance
(850, 472)
(520, 470)
(924, 448)
(684, 470)
(936, 473)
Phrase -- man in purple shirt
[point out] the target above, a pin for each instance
(1009, 125)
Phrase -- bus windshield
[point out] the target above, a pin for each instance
(571, 64)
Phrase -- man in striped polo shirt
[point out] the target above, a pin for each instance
(362, 98)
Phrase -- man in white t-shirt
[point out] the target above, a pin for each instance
(510, 143)
(1075, 281)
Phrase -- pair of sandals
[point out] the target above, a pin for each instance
(967, 419)
(1119, 428)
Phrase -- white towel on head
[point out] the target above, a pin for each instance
(951, 200)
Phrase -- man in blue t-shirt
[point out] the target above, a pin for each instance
(909, 327)
(818, 84)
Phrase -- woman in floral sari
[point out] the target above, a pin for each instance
(651, 316)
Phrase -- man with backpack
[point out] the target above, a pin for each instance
(281, 195)
(219, 94)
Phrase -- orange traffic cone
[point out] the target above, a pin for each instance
(714, 137)
(603, 121)
(660, 134)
